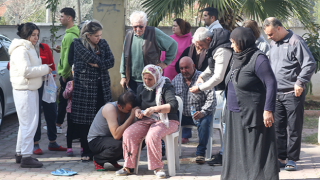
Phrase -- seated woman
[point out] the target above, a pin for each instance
(156, 95)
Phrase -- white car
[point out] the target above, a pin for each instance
(6, 98)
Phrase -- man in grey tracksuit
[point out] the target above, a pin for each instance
(293, 66)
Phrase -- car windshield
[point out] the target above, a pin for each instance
(5, 42)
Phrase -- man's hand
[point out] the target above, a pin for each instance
(162, 65)
(297, 90)
(94, 65)
(149, 111)
(199, 80)
(57, 49)
(133, 111)
(194, 89)
(138, 113)
(268, 118)
(197, 115)
(123, 83)
(64, 80)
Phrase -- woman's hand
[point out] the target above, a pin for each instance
(194, 89)
(138, 113)
(268, 118)
(49, 70)
(94, 65)
(149, 111)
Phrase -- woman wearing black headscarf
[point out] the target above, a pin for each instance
(249, 147)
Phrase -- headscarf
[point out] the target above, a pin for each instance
(245, 40)
(160, 80)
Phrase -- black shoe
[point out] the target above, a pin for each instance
(216, 161)
(18, 158)
(29, 162)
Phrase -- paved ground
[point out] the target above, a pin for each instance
(308, 167)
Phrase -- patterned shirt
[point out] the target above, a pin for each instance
(204, 101)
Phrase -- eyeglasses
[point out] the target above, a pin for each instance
(135, 27)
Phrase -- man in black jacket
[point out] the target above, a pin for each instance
(293, 66)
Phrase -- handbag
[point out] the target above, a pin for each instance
(50, 89)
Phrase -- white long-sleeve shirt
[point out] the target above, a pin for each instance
(222, 57)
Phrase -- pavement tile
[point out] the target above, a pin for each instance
(308, 166)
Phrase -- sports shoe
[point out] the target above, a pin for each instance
(124, 172)
(160, 173)
(18, 158)
(38, 151)
(216, 161)
(69, 152)
(59, 130)
(29, 162)
(184, 140)
(200, 159)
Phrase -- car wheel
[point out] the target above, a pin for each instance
(1, 112)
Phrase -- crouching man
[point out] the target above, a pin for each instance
(105, 134)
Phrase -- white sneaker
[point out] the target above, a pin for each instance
(45, 127)
(59, 130)
(160, 173)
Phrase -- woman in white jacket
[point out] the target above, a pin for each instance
(26, 71)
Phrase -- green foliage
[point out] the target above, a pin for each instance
(312, 40)
(311, 139)
(38, 16)
(52, 5)
(3, 21)
(310, 122)
(231, 11)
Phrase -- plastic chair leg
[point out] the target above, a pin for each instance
(138, 159)
(176, 153)
(170, 155)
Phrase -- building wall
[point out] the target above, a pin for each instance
(114, 10)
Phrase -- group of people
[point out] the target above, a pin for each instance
(263, 87)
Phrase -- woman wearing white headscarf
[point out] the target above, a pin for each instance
(156, 95)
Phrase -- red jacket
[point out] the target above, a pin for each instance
(45, 55)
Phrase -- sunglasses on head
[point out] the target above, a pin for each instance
(135, 27)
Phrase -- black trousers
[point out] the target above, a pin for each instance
(62, 102)
(289, 113)
(106, 149)
(82, 132)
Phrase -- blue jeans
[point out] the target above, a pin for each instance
(50, 114)
(203, 132)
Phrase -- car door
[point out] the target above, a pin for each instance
(5, 83)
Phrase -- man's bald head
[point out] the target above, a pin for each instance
(187, 60)
(187, 67)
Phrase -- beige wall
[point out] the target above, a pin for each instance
(111, 14)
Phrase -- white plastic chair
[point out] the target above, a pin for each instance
(217, 124)
(171, 143)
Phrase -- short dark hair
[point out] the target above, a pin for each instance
(69, 12)
(25, 30)
(212, 12)
(271, 21)
(185, 27)
(127, 97)
(253, 25)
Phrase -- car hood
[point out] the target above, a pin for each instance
(20, 42)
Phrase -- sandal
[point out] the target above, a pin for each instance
(63, 172)
(292, 164)
(85, 158)
(124, 172)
